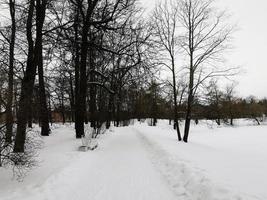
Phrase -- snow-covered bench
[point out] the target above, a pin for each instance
(88, 143)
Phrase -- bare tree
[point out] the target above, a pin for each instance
(164, 24)
(27, 85)
(204, 37)
(41, 6)
(9, 114)
(34, 61)
(229, 101)
(94, 16)
(214, 99)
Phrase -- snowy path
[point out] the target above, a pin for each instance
(118, 170)
(131, 163)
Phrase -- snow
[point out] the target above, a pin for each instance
(117, 169)
(232, 157)
(141, 162)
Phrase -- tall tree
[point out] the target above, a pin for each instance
(204, 37)
(95, 15)
(165, 33)
(26, 85)
(9, 112)
(41, 6)
(81, 100)
(34, 60)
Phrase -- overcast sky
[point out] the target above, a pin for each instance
(250, 43)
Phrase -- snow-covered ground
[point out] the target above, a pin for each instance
(147, 163)
(227, 158)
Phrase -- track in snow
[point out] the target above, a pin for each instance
(127, 165)
(118, 170)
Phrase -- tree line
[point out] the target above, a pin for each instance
(100, 61)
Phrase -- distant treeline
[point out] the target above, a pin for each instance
(146, 104)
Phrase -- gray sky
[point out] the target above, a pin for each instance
(250, 43)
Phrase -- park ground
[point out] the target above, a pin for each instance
(140, 162)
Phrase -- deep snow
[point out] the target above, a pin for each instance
(142, 163)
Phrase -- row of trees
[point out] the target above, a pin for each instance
(220, 105)
(98, 61)
(195, 33)
(87, 55)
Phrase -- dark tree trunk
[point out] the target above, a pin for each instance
(63, 115)
(50, 110)
(62, 109)
(188, 117)
(9, 114)
(44, 118)
(110, 110)
(110, 104)
(30, 114)
(78, 120)
(15, 99)
(86, 118)
(26, 92)
(92, 106)
(81, 100)
(34, 59)
(118, 107)
(189, 104)
(40, 16)
(26, 87)
(176, 123)
(72, 102)
(92, 92)
(77, 88)
(190, 98)
(154, 121)
(218, 121)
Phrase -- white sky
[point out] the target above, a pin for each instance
(250, 43)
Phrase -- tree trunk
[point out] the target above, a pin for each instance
(176, 124)
(72, 101)
(77, 88)
(231, 121)
(189, 106)
(110, 104)
(63, 108)
(188, 117)
(30, 115)
(9, 114)
(44, 118)
(154, 121)
(191, 84)
(81, 100)
(92, 92)
(118, 106)
(26, 87)
(110, 110)
(34, 59)
(50, 110)
(63, 116)
(40, 16)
